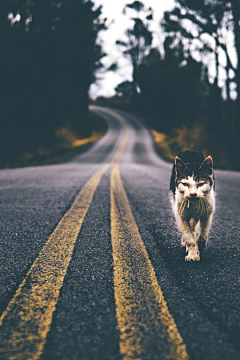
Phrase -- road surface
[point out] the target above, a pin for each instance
(91, 262)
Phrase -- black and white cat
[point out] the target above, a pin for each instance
(193, 200)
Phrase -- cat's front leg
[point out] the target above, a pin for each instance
(192, 223)
(205, 223)
(188, 239)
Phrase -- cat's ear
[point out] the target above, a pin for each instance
(207, 165)
(179, 165)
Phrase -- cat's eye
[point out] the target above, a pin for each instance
(185, 184)
(201, 184)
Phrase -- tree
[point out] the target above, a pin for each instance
(172, 96)
(48, 57)
(235, 7)
(195, 21)
(125, 89)
(74, 60)
(139, 40)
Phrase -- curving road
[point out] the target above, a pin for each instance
(91, 262)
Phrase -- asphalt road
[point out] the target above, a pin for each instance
(103, 277)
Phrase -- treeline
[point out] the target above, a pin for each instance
(48, 56)
(177, 89)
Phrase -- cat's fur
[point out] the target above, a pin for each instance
(193, 200)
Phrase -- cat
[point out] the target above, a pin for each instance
(193, 199)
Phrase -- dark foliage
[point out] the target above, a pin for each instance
(210, 17)
(172, 95)
(139, 39)
(47, 62)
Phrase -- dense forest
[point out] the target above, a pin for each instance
(48, 55)
(175, 89)
(188, 90)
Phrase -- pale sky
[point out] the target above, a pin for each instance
(117, 23)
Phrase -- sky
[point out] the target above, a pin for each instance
(117, 23)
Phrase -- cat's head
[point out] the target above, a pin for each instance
(194, 180)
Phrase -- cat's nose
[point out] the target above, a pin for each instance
(193, 195)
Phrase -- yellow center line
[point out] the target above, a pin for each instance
(121, 149)
(145, 324)
(142, 313)
(25, 323)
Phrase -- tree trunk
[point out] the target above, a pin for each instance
(217, 121)
(236, 17)
(134, 94)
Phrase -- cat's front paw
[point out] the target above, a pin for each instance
(191, 257)
(201, 242)
(193, 254)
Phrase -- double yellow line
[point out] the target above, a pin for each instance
(142, 314)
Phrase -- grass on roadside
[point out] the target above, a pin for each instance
(64, 150)
(67, 145)
(179, 140)
(168, 146)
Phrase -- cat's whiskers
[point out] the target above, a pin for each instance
(183, 205)
(200, 206)
(207, 205)
(203, 205)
